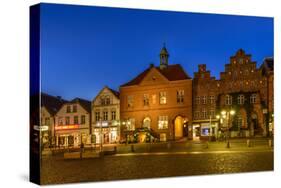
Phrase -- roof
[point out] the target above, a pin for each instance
(116, 93)
(83, 102)
(171, 72)
(52, 103)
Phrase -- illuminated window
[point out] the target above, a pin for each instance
(105, 115)
(204, 99)
(113, 115)
(67, 120)
(75, 119)
(130, 124)
(68, 109)
(130, 101)
(241, 99)
(253, 98)
(163, 122)
(162, 98)
(228, 100)
(74, 108)
(180, 96)
(145, 100)
(83, 119)
(97, 116)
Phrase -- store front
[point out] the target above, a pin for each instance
(205, 131)
(108, 133)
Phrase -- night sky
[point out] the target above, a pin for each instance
(84, 48)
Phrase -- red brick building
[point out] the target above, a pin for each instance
(243, 89)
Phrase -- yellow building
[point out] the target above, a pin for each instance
(157, 104)
(72, 123)
(106, 116)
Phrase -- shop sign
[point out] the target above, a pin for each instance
(63, 127)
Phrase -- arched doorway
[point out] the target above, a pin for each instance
(146, 122)
(178, 127)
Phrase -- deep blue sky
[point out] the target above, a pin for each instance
(84, 48)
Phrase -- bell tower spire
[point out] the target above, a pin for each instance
(164, 55)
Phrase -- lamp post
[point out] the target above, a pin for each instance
(228, 114)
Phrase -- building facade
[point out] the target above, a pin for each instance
(237, 104)
(106, 116)
(50, 105)
(157, 104)
(73, 123)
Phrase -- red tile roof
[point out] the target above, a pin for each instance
(171, 72)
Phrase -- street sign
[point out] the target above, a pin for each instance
(40, 128)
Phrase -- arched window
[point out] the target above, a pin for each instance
(146, 122)
(253, 98)
(241, 99)
(228, 100)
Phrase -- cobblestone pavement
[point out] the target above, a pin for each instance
(57, 170)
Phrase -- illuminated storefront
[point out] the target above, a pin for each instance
(107, 132)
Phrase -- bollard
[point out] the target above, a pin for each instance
(227, 144)
(248, 143)
(132, 148)
(169, 145)
(115, 149)
(270, 143)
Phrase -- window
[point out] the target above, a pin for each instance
(97, 116)
(204, 114)
(107, 102)
(145, 100)
(130, 124)
(74, 108)
(228, 100)
(68, 110)
(212, 99)
(212, 113)
(253, 98)
(197, 100)
(83, 119)
(196, 115)
(47, 121)
(239, 121)
(75, 119)
(241, 99)
(180, 96)
(204, 99)
(113, 115)
(163, 122)
(105, 115)
(67, 120)
(130, 101)
(162, 98)
(60, 121)
(102, 100)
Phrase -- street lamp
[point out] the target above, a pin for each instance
(227, 114)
